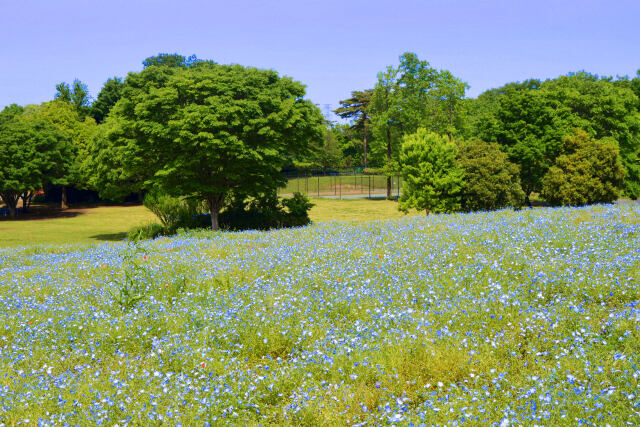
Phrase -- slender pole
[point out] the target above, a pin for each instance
(318, 186)
(369, 187)
(340, 186)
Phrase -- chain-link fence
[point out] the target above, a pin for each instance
(341, 185)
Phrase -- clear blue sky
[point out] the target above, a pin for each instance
(333, 46)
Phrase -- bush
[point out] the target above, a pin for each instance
(243, 213)
(298, 208)
(431, 179)
(590, 171)
(175, 212)
(146, 231)
(266, 212)
(491, 181)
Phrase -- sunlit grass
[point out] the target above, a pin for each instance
(111, 223)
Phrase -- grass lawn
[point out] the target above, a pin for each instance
(86, 225)
(110, 223)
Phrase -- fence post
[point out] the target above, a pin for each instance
(298, 179)
(369, 187)
(306, 185)
(318, 186)
(340, 186)
(398, 187)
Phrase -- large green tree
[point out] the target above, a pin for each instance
(432, 179)
(210, 131)
(107, 98)
(589, 171)
(31, 154)
(413, 95)
(356, 109)
(77, 95)
(491, 181)
(78, 132)
(604, 110)
(530, 119)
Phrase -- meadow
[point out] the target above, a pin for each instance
(501, 318)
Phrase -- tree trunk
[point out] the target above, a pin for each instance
(450, 123)
(26, 200)
(364, 142)
(214, 209)
(527, 201)
(64, 204)
(388, 162)
(10, 199)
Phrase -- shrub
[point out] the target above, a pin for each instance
(266, 212)
(590, 171)
(146, 231)
(298, 210)
(243, 213)
(431, 179)
(174, 212)
(491, 181)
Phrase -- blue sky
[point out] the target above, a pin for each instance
(333, 47)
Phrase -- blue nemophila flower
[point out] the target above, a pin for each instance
(487, 318)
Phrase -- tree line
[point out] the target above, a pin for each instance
(572, 140)
(223, 133)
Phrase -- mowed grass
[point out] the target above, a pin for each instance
(86, 225)
(110, 223)
(502, 318)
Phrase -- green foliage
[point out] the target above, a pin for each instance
(171, 60)
(590, 171)
(135, 285)
(530, 119)
(604, 110)
(329, 156)
(266, 212)
(146, 231)
(208, 130)
(414, 95)
(356, 109)
(31, 154)
(432, 181)
(107, 155)
(77, 97)
(298, 208)
(107, 98)
(78, 131)
(491, 181)
(173, 212)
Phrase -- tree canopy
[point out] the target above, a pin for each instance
(211, 131)
(31, 154)
(589, 171)
(107, 98)
(491, 181)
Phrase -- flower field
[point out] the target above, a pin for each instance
(508, 317)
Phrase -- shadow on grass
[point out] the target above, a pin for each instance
(109, 237)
